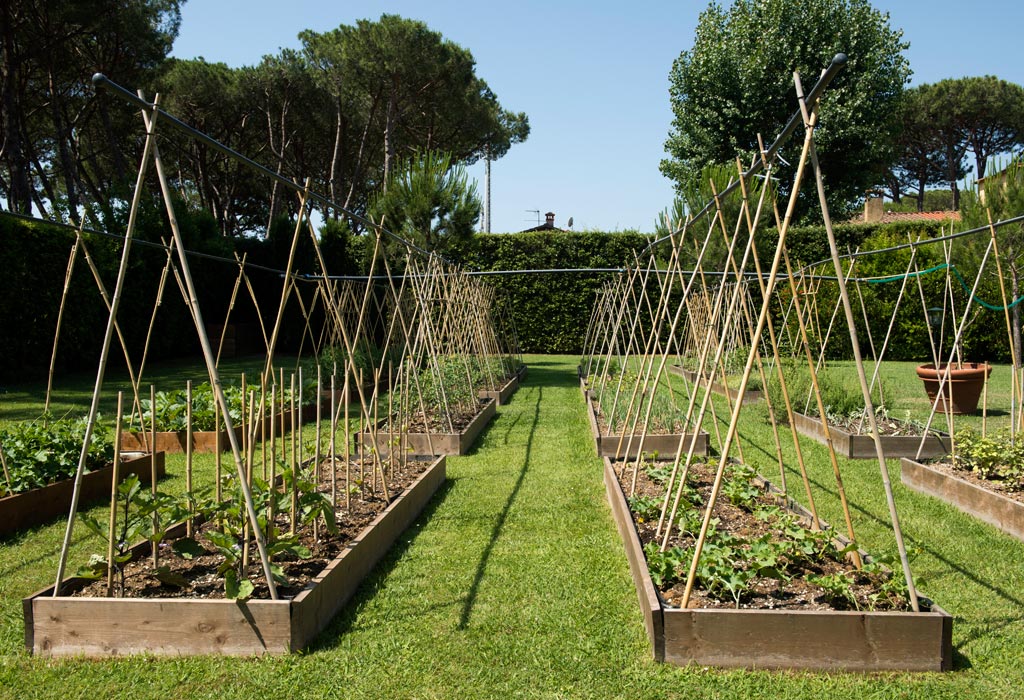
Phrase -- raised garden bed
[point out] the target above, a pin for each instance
(666, 445)
(502, 394)
(174, 441)
(40, 505)
(985, 504)
(780, 639)
(749, 396)
(432, 444)
(102, 627)
(852, 446)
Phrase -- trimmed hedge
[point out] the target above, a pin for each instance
(551, 311)
(34, 257)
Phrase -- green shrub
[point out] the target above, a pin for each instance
(38, 454)
(995, 457)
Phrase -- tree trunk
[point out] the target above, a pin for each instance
(19, 193)
(335, 154)
(389, 139)
(63, 137)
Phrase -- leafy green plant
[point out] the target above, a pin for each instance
(666, 416)
(445, 387)
(838, 589)
(227, 528)
(145, 516)
(40, 453)
(645, 507)
(738, 485)
(995, 457)
(664, 567)
(367, 358)
(171, 407)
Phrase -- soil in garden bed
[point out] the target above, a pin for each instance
(201, 571)
(434, 423)
(887, 426)
(790, 592)
(994, 485)
(657, 427)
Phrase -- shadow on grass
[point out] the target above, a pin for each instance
(499, 524)
(345, 620)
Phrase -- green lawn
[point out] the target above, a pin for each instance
(514, 584)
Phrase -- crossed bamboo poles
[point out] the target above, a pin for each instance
(429, 316)
(718, 319)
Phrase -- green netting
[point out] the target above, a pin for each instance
(963, 283)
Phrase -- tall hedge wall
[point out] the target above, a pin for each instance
(34, 259)
(551, 310)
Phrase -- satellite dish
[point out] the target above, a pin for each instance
(570, 222)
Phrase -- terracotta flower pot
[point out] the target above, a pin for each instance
(963, 386)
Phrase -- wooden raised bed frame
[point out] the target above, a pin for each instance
(853, 446)
(988, 506)
(40, 505)
(780, 639)
(173, 441)
(433, 444)
(103, 627)
(664, 445)
(749, 396)
(502, 394)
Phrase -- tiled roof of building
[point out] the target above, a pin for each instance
(891, 216)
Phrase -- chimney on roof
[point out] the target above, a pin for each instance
(873, 208)
(549, 219)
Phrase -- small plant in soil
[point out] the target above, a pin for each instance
(756, 553)
(993, 458)
(446, 391)
(666, 416)
(146, 516)
(220, 558)
(41, 452)
(171, 407)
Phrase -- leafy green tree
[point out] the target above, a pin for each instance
(1001, 196)
(60, 144)
(921, 157)
(414, 91)
(987, 112)
(737, 82)
(942, 122)
(429, 201)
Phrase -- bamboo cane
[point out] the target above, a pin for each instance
(291, 463)
(115, 477)
(94, 405)
(211, 365)
(152, 469)
(7, 473)
(716, 486)
(188, 453)
(60, 317)
(890, 499)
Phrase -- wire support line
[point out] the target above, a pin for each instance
(918, 244)
(960, 278)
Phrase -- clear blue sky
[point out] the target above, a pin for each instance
(593, 78)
